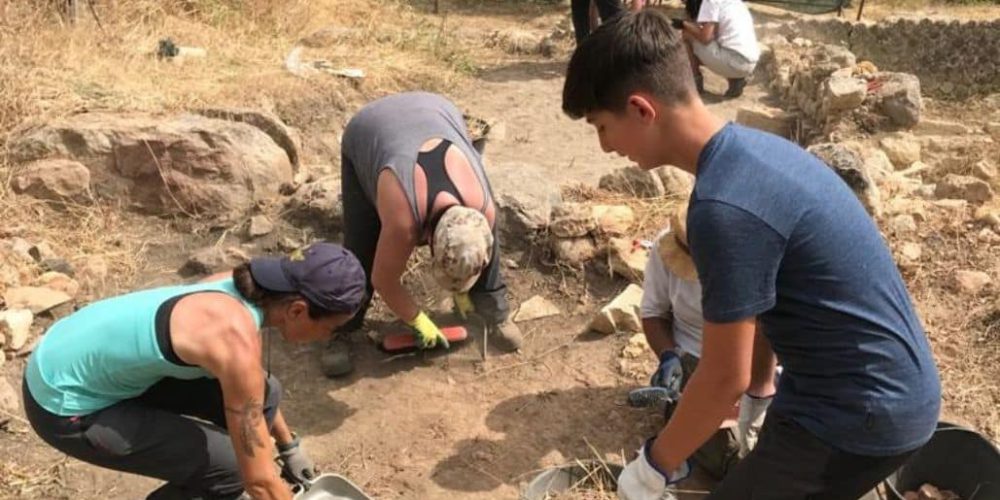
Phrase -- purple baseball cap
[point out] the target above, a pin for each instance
(326, 274)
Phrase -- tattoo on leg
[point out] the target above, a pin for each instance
(249, 417)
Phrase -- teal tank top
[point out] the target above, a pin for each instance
(107, 352)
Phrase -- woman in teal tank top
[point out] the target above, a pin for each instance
(168, 382)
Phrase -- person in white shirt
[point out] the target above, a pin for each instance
(672, 322)
(722, 38)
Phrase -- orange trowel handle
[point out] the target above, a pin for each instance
(405, 339)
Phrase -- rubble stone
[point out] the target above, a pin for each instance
(633, 181)
(574, 251)
(621, 314)
(535, 308)
(572, 220)
(260, 225)
(613, 219)
(676, 182)
(15, 325)
(902, 149)
(984, 170)
(35, 299)
(851, 169)
(963, 187)
(774, 120)
(971, 282)
(627, 260)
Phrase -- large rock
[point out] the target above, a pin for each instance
(964, 187)
(15, 326)
(633, 181)
(212, 260)
(850, 167)
(676, 182)
(522, 216)
(627, 260)
(574, 251)
(614, 220)
(774, 120)
(621, 314)
(536, 307)
(902, 149)
(898, 98)
(179, 165)
(53, 179)
(317, 204)
(284, 136)
(843, 93)
(572, 220)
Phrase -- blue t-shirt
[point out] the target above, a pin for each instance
(776, 234)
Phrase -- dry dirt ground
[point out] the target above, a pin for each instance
(456, 426)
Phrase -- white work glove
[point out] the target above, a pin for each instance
(753, 409)
(641, 480)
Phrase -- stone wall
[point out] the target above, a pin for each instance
(953, 59)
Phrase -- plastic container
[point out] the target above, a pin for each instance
(956, 459)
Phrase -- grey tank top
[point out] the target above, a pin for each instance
(388, 133)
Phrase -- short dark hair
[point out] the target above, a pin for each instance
(636, 51)
(262, 297)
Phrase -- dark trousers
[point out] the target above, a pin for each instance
(361, 232)
(580, 10)
(175, 431)
(789, 463)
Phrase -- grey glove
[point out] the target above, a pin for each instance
(296, 466)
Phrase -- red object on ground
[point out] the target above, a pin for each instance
(405, 339)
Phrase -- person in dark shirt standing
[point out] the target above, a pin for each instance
(779, 240)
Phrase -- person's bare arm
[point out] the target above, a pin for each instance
(762, 371)
(396, 243)
(659, 334)
(637, 5)
(222, 338)
(280, 431)
(722, 376)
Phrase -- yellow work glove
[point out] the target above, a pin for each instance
(463, 305)
(428, 334)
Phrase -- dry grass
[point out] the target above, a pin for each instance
(652, 215)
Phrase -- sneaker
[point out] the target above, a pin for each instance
(506, 336)
(736, 87)
(336, 359)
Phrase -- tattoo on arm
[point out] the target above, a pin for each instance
(250, 416)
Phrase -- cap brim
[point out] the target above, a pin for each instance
(267, 272)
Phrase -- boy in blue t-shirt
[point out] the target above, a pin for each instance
(779, 239)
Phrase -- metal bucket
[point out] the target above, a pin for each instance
(329, 487)
(560, 479)
(956, 459)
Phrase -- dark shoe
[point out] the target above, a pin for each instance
(506, 336)
(336, 359)
(736, 87)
